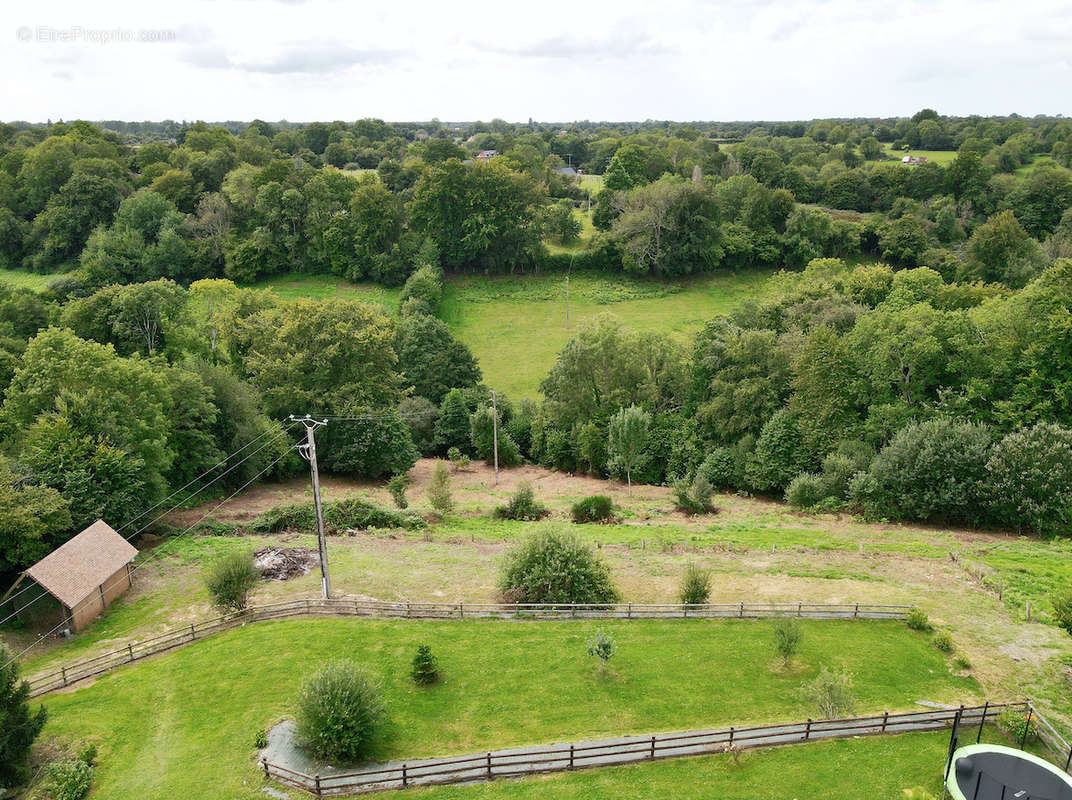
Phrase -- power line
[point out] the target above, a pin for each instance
(156, 554)
(279, 436)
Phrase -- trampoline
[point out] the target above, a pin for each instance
(994, 772)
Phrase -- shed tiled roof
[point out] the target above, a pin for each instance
(75, 569)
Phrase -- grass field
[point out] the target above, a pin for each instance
(516, 325)
(504, 683)
(943, 157)
(324, 287)
(25, 279)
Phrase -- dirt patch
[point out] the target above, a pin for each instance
(284, 563)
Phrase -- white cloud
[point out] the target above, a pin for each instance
(558, 60)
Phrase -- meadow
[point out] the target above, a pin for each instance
(504, 683)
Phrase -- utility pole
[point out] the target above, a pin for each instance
(495, 434)
(308, 452)
(568, 271)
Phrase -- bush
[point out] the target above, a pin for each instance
(1061, 600)
(397, 487)
(1018, 727)
(368, 448)
(943, 641)
(283, 518)
(1031, 479)
(961, 663)
(720, 468)
(780, 454)
(934, 470)
(603, 647)
(458, 459)
(260, 739)
(597, 508)
(88, 754)
(69, 779)
(439, 489)
(787, 636)
(339, 712)
(357, 514)
(522, 505)
(230, 579)
(695, 586)
(806, 491)
(425, 670)
(19, 725)
(917, 620)
(693, 497)
(553, 566)
(831, 694)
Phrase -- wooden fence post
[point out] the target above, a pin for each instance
(885, 719)
(800, 609)
(1027, 726)
(407, 609)
(405, 775)
(731, 734)
(489, 766)
(652, 752)
(856, 611)
(629, 611)
(1068, 761)
(571, 756)
(982, 722)
(317, 788)
(130, 649)
(461, 610)
(264, 763)
(63, 672)
(807, 730)
(741, 614)
(193, 633)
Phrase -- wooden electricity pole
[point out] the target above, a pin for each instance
(308, 452)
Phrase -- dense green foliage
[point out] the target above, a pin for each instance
(553, 566)
(522, 505)
(19, 725)
(695, 585)
(425, 669)
(596, 508)
(339, 712)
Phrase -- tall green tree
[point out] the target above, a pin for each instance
(627, 436)
(19, 725)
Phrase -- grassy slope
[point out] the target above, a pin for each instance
(505, 683)
(30, 280)
(516, 325)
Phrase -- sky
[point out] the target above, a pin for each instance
(551, 61)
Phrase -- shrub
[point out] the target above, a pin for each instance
(695, 586)
(397, 487)
(522, 505)
(439, 489)
(553, 566)
(961, 663)
(693, 497)
(482, 433)
(787, 636)
(215, 527)
(943, 641)
(597, 508)
(260, 739)
(720, 468)
(917, 620)
(339, 712)
(69, 779)
(1031, 479)
(231, 578)
(1061, 600)
(368, 448)
(425, 670)
(357, 514)
(831, 694)
(780, 454)
(603, 647)
(282, 518)
(806, 491)
(1018, 726)
(19, 724)
(458, 459)
(88, 753)
(929, 470)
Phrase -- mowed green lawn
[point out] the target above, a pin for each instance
(188, 718)
(516, 325)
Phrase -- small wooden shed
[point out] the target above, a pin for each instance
(86, 574)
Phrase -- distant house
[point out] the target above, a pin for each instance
(568, 171)
(484, 156)
(83, 576)
(914, 160)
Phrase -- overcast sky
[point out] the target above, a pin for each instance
(552, 60)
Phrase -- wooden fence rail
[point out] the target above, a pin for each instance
(67, 674)
(625, 750)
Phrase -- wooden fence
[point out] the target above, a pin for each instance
(625, 750)
(67, 674)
